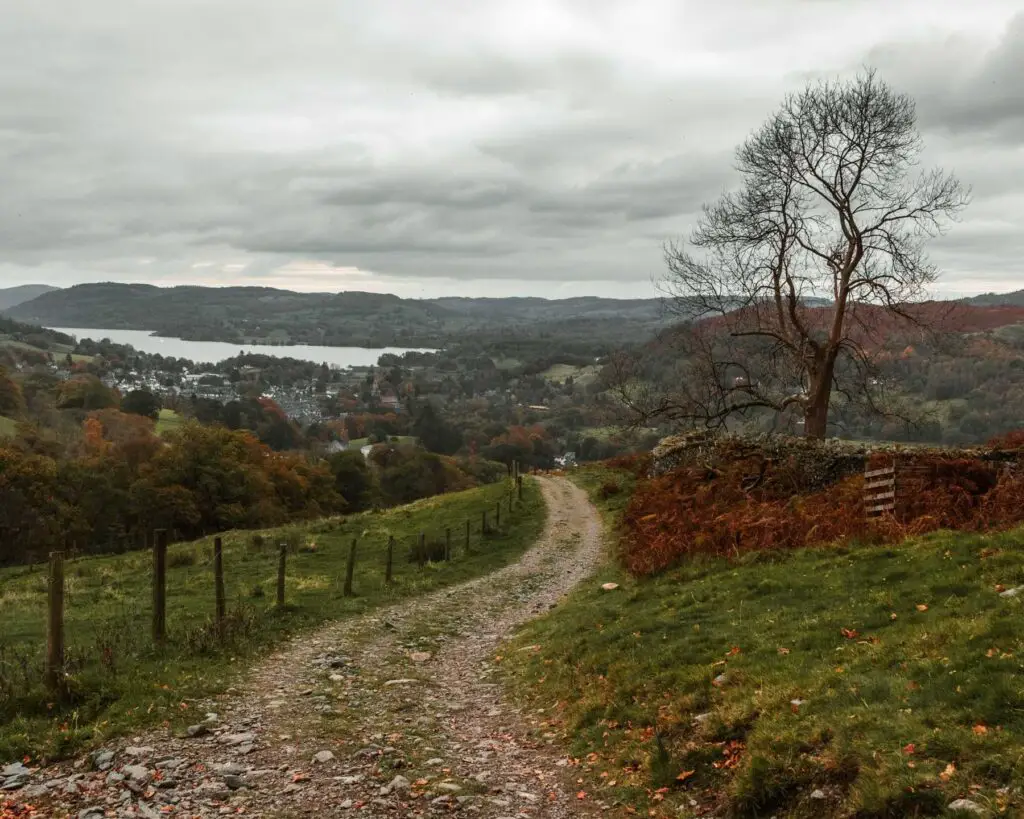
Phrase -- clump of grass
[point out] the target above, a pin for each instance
(180, 558)
(886, 677)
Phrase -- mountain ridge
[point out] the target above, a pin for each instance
(13, 296)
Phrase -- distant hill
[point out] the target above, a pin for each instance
(1014, 299)
(261, 314)
(13, 296)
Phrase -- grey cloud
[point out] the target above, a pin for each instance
(559, 141)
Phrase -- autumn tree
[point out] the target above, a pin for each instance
(11, 400)
(831, 206)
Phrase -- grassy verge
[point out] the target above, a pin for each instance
(851, 681)
(119, 682)
(167, 421)
(8, 427)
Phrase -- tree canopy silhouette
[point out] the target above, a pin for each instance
(790, 283)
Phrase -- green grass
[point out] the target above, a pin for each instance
(558, 373)
(168, 420)
(119, 682)
(912, 708)
(359, 443)
(8, 427)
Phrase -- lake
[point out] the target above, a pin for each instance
(213, 352)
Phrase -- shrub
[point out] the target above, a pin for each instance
(608, 488)
(432, 551)
(754, 503)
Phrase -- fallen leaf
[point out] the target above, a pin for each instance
(609, 586)
(947, 774)
(733, 651)
(685, 775)
(783, 650)
(581, 795)
(922, 607)
(980, 729)
(909, 748)
(849, 633)
(893, 616)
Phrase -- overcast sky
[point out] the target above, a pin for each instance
(456, 147)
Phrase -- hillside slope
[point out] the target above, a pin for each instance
(13, 296)
(859, 681)
(247, 314)
(119, 682)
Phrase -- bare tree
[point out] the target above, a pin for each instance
(832, 207)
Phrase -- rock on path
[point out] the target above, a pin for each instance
(390, 714)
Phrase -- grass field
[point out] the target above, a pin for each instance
(886, 682)
(8, 427)
(58, 351)
(167, 421)
(358, 443)
(558, 373)
(120, 682)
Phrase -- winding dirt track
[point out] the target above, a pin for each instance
(399, 707)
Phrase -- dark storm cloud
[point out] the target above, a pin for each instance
(540, 141)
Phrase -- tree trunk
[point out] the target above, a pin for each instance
(820, 394)
(815, 420)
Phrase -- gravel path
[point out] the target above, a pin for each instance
(389, 714)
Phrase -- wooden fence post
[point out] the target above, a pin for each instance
(55, 625)
(519, 486)
(218, 581)
(468, 526)
(483, 523)
(281, 563)
(160, 586)
(350, 569)
(448, 543)
(497, 515)
(391, 553)
(510, 503)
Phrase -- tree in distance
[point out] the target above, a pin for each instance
(831, 208)
(141, 402)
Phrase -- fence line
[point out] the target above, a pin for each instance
(157, 542)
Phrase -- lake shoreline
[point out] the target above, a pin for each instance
(214, 352)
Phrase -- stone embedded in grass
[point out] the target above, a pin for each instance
(323, 757)
(609, 586)
(967, 806)
(1016, 590)
(403, 681)
(420, 656)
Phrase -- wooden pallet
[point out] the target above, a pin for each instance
(880, 490)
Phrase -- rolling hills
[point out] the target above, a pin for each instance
(13, 296)
(251, 314)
